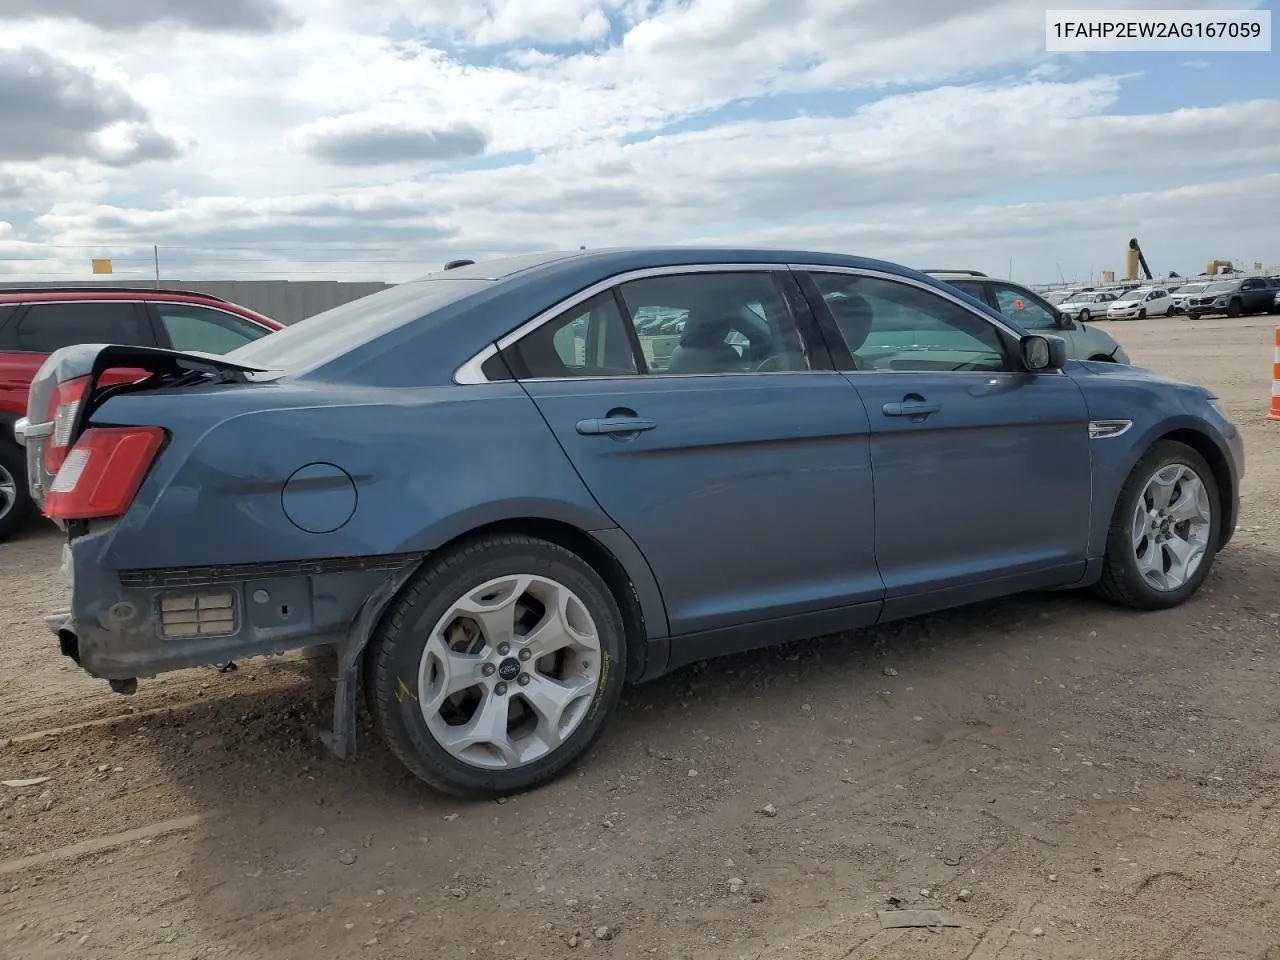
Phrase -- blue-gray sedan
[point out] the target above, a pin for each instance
(504, 490)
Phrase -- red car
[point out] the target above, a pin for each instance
(35, 321)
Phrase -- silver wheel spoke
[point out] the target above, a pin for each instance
(493, 607)
(1151, 561)
(1141, 526)
(557, 629)
(1192, 503)
(498, 688)
(1160, 489)
(454, 672)
(555, 702)
(1184, 558)
(487, 727)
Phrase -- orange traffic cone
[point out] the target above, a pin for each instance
(1275, 381)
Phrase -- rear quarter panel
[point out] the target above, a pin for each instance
(427, 465)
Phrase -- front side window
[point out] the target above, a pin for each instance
(889, 325)
(47, 327)
(1026, 312)
(204, 330)
(678, 324)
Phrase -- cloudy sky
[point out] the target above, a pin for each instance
(375, 139)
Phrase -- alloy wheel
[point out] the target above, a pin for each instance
(1172, 521)
(509, 672)
(8, 492)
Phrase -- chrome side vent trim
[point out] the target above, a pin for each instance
(1106, 429)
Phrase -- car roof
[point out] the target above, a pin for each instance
(46, 294)
(443, 318)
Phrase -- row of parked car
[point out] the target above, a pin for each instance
(1232, 297)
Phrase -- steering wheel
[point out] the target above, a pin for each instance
(770, 364)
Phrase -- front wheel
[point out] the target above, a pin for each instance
(1164, 531)
(497, 667)
(1234, 309)
(1084, 316)
(16, 504)
(1142, 314)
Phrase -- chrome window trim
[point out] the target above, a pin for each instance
(469, 373)
(999, 324)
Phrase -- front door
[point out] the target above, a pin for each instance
(692, 409)
(982, 472)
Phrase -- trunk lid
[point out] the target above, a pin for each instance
(74, 381)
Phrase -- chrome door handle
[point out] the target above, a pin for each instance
(910, 408)
(609, 426)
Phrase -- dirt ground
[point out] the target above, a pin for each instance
(1102, 783)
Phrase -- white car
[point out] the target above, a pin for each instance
(1082, 306)
(1141, 303)
(1185, 292)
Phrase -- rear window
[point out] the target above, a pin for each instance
(317, 340)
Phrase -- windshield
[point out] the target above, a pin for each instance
(1222, 286)
(1192, 287)
(1136, 294)
(326, 336)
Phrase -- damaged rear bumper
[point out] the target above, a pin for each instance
(126, 624)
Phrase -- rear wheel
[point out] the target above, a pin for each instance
(16, 504)
(1164, 531)
(497, 667)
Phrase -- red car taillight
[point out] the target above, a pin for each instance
(101, 474)
(63, 407)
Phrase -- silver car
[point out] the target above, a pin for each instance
(1034, 314)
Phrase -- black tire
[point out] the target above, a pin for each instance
(395, 652)
(1193, 316)
(1084, 316)
(1142, 314)
(13, 469)
(1121, 581)
(1234, 309)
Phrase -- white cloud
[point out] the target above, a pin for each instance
(336, 139)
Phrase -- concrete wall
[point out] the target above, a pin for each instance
(285, 300)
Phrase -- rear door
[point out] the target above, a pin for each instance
(982, 470)
(719, 439)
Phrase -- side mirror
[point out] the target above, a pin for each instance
(1042, 354)
(1065, 322)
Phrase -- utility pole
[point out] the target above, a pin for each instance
(155, 254)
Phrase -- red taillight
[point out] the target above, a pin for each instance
(63, 407)
(101, 474)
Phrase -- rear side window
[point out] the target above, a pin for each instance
(46, 327)
(589, 340)
(205, 330)
(972, 287)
